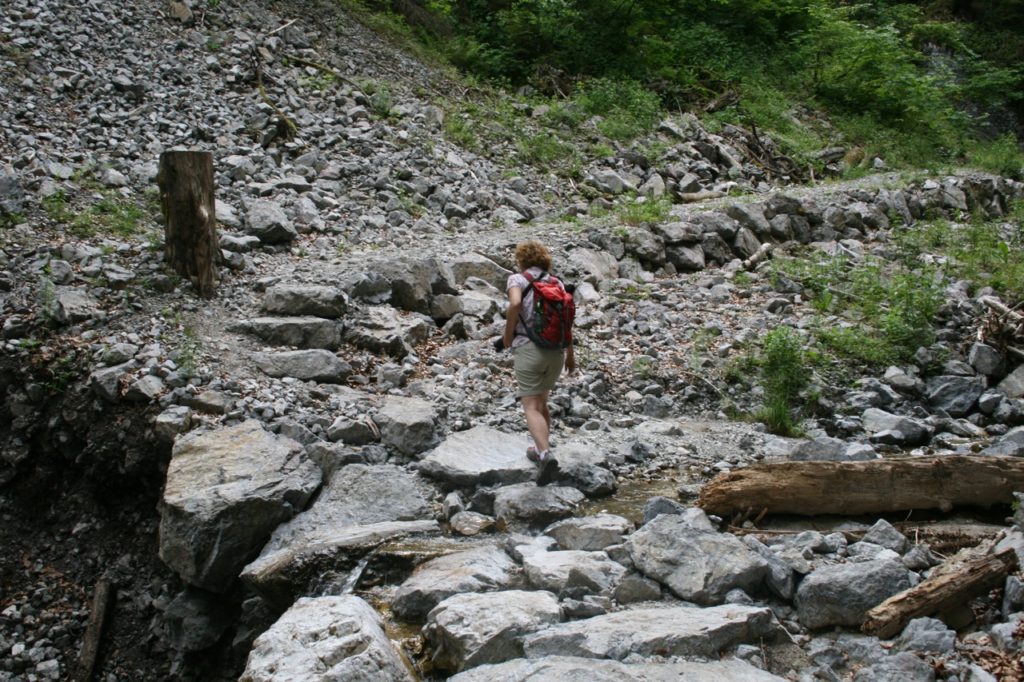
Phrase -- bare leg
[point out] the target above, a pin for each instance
(538, 419)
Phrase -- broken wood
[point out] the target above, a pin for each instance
(101, 601)
(950, 585)
(761, 254)
(191, 246)
(878, 486)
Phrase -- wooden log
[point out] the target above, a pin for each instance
(191, 247)
(101, 601)
(950, 585)
(877, 486)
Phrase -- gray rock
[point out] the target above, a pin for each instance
(697, 565)
(407, 424)
(106, 382)
(986, 360)
(904, 431)
(482, 569)
(956, 395)
(589, 479)
(840, 594)
(676, 233)
(635, 588)
(319, 301)
(672, 631)
(902, 667)
(885, 534)
(686, 258)
(926, 634)
(590, 533)
(347, 519)
(554, 570)
(12, 196)
(750, 216)
(471, 523)
(226, 490)
(381, 329)
(307, 365)
(658, 505)
(479, 456)
(1011, 444)
(825, 449)
(301, 331)
(475, 265)
(268, 221)
(353, 431)
(415, 282)
(780, 578)
(1013, 385)
(607, 181)
(195, 620)
(74, 305)
(574, 669)
(326, 639)
(534, 504)
(173, 421)
(467, 630)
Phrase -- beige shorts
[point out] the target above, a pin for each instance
(537, 369)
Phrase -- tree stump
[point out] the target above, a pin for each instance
(191, 247)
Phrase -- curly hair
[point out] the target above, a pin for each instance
(532, 253)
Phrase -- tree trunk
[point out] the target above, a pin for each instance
(950, 585)
(852, 488)
(190, 232)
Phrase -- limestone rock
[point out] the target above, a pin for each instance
(590, 533)
(840, 594)
(575, 669)
(407, 424)
(479, 456)
(306, 365)
(483, 569)
(325, 639)
(226, 491)
(319, 301)
(535, 504)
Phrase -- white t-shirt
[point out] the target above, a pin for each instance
(518, 281)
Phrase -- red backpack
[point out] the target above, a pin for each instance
(554, 311)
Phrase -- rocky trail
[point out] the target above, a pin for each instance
(320, 473)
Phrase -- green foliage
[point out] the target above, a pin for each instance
(110, 214)
(628, 109)
(1002, 156)
(543, 149)
(784, 373)
(644, 211)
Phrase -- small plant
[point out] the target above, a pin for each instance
(8, 220)
(645, 211)
(643, 366)
(784, 373)
(188, 352)
(48, 299)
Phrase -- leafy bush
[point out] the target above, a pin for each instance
(629, 110)
(784, 373)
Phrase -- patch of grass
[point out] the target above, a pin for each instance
(1001, 156)
(111, 214)
(543, 149)
(646, 212)
(784, 373)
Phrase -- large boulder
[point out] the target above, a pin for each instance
(475, 265)
(293, 299)
(407, 424)
(347, 520)
(415, 282)
(482, 569)
(957, 395)
(575, 669)
(668, 631)
(572, 568)
(326, 639)
(590, 533)
(226, 491)
(533, 504)
(306, 365)
(841, 594)
(479, 456)
(882, 425)
(467, 630)
(696, 564)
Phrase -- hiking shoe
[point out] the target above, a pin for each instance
(533, 455)
(548, 471)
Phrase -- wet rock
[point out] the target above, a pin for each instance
(535, 504)
(322, 639)
(467, 630)
(590, 533)
(576, 669)
(226, 490)
(671, 631)
(319, 301)
(553, 570)
(840, 594)
(479, 456)
(407, 424)
(347, 520)
(697, 565)
(482, 569)
(306, 365)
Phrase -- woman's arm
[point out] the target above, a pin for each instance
(515, 307)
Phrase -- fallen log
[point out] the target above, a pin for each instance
(101, 601)
(951, 584)
(853, 488)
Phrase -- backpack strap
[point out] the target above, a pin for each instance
(530, 279)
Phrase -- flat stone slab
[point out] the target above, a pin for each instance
(482, 569)
(573, 669)
(467, 630)
(347, 520)
(590, 533)
(325, 639)
(306, 365)
(535, 504)
(301, 331)
(226, 491)
(479, 456)
(673, 631)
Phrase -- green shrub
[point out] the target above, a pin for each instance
(784, 373)
(1001, 156)
(628, 109)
